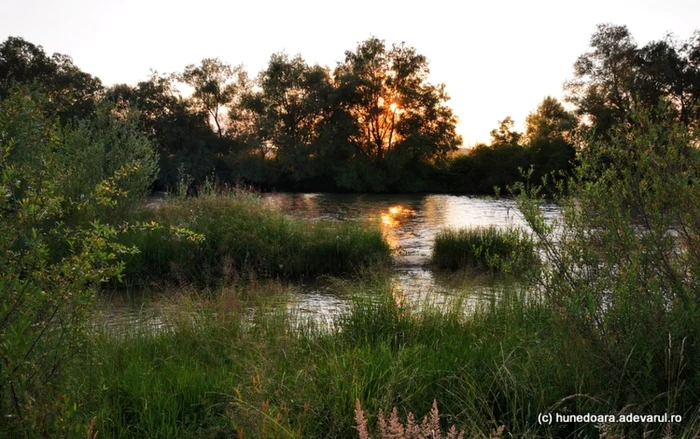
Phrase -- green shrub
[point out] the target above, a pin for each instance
(54, 252)
(489, 249)
(109, 164)
(623, 262)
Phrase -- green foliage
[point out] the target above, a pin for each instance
(397, 118)
(489, 249)
(102, 166)
(549, 121)
(178, 128)
(484, 168)
(546, 149)
(243, 237)
(272, 376)
(71, 92)
(216, 84)
(109, 148)
(374, 124)
(622, 264)
(505, 134)
(617, 77)
(54, 250)
(289, 111)
(549, 134)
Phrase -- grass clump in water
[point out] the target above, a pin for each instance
(485, 249)
(242, 236)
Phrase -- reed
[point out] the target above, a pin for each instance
(244, 237)
(230, 373)
(484, 249)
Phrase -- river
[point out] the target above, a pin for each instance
(409, 223)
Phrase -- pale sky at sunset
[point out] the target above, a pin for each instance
(496, 58)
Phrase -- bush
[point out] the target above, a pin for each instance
(623, 263)
(54, 252)
(108, 164)
(489, 249)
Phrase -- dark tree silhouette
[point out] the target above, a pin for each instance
(71, 93)
(216, 85)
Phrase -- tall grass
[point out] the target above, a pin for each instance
(232, 375)
(484, 249)
(242, 236)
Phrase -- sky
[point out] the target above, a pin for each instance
(497, 59)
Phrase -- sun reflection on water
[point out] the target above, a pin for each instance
(392, 220)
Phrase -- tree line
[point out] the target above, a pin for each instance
(611, 82)
(373, 123)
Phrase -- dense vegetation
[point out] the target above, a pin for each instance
(489, 249)
(271, 377)
(235, 236)
(607, 324)
(59, 186)
(374, 123)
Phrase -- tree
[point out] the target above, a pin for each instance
(548, 135)
(178, 127)
(216, 85)
(364, 80)
(602, 89)
(549, 121)
(669, 70)
(495, 166)
(505, 134)
(70, 92)
(398, 119)
(617, 77)
(290, 106)
(23, 62)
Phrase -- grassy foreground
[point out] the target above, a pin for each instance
(236, 235)
(227, 374)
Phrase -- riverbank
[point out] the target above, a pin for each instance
(225, 373)
(229, 358)
(222, 370)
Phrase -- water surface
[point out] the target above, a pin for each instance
(409, 223)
